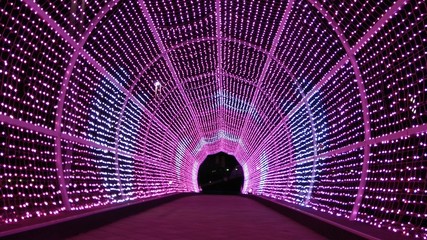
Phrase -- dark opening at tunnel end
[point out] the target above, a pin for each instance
(220, 174)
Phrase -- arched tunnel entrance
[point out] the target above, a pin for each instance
(220, 174)
(323, 103)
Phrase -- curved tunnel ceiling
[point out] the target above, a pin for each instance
(323, 104)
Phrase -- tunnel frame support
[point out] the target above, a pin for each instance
(219, 72)
(269, 55)
(78, 51)
(364, 101)
(169, 62)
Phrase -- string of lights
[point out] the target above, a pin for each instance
(323, 103)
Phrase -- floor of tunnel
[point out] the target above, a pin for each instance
(204, 217)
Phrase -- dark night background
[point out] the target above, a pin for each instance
(220, 174)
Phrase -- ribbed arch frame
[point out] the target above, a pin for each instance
(79, 48)
(363, 100)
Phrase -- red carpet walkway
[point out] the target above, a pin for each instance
(204, 217)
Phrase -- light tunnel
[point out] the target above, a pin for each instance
(323, 103)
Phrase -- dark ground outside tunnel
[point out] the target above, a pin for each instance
(220, 174)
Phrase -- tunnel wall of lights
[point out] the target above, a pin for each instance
(323, 103)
